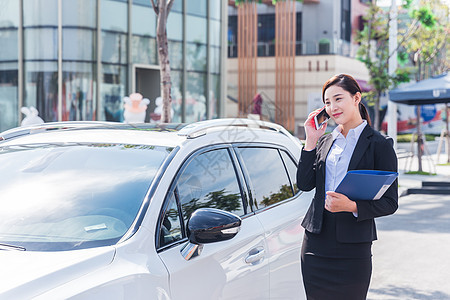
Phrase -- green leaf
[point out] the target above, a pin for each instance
(402, 58)
(401, 75)
(407, 4)
(425, 16)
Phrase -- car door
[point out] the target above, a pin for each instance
(280, 207)
(232, 269)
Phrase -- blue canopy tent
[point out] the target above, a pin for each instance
(429, 91)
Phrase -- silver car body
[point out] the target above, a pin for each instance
(261, 262)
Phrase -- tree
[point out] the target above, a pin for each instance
(221, 199)
(284, 193)
(426, 47)
(374, 50)
(426, 50)
(162, 9)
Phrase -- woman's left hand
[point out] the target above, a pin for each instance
(336, 202)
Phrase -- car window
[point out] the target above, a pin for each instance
(209, 180)
(171, 225)
(73, 195)
(292, 169)
(268, 175)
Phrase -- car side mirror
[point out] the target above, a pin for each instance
(209, 225)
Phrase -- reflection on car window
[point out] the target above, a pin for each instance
(171, 226)
(73, 195)
(292, 169)
(210, 180)
(267, 174)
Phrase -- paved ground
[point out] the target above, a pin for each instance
(430, 163)
(411, 259)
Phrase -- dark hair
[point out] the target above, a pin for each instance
(349, 84)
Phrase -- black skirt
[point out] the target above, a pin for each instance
(333, 270)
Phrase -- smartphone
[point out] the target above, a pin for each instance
(321, 118)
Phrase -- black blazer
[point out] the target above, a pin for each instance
(372, 152)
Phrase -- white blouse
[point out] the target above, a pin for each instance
(341, 152)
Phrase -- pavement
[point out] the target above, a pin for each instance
(432, 163)
(411, 258)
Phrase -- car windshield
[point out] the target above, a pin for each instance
(71, 196)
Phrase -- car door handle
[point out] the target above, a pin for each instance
(255, 256)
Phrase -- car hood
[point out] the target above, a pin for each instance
(26, 274)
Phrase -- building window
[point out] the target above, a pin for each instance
(266, 35)
(298, 34)
(143, 50)
(197, 7)
(114, 25)
(80, 45)
(82, 13)
(9, 23)
(41, 88)
(195, 96)
(79, 86)
(40, 12)
(175, 30)
(8, 95)
(113, 92)
(346, 27)
(232, 36)
(41, 43)
(177, 97)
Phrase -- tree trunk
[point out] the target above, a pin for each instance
(163, 51)
(376, 113)
(420, 144)
(448, 132)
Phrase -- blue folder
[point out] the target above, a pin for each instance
(366, 184)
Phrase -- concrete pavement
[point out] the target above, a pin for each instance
(411, 259)
(430, 163)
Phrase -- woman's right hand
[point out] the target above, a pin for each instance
(313, 134)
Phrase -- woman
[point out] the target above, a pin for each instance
(336, 253)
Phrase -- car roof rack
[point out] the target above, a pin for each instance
(199, 128)
(74, 125)
(190, 131)
(51, 126)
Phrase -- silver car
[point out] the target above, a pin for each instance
(93, 210)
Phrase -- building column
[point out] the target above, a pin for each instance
(99, 78)
(223, 59)
(20, 64)
(60, 81)
(129, 54)
(184, 81)
(208, 55)
(247, 55)
(285, 34)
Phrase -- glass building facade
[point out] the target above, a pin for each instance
(77, 59)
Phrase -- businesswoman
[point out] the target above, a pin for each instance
(336, 254)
